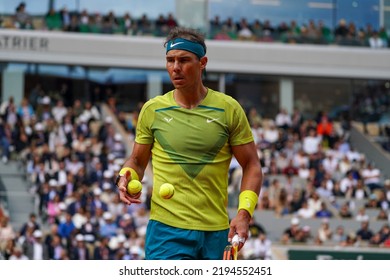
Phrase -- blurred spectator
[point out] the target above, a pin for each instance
(348, 183)
(283, 119)
(22, 19)
(375, 41)
(17, 254)
(324, 212)
(339, 236)
(56, 250)
(268, 31)
(35, 248)
(295, 233)
(79, 250)
(311, 142)
(223, 34)
(361, 215)
(26, 111)
(171, 21)
(118, 148)
(384, 36)
(305, 212)
(7, 232)
(53, 20)
(360, 192)
(5, 140)
(298, 196)
(341, 31)
(244, 32)
(102, 251)
(351, 240)
(314, 202)
(74, 24)
(282, 203)
(255, 229)
(382, 215)
(32, 222)
(330, 163)
(345, 211)
(325, 130)
(271, 134)
(364, 233)
(127, 24)
(144, 25)
(215, 25)
(108, 228)
(65, 16)
(384, 232)
(66, 229)
(324, 232)
(258, 248)
(371, 177)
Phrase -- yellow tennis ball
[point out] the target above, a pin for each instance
(166, 190)
(134, 175)
(134, 187)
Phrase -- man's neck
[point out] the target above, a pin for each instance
(190, 99)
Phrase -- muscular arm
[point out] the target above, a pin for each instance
(138, 160)
(252, 179)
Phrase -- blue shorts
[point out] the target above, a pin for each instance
(164, 242)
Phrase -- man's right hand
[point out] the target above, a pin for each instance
(124, 196)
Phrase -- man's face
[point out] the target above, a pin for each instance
(184, 68)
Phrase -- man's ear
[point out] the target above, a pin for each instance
(203, 62)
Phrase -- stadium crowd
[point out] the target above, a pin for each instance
(312, 32)
(72, 153)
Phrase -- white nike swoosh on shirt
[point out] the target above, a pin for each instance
(168, 119)
(211, 120)
(174, 44)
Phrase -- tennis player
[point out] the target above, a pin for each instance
(191, 134)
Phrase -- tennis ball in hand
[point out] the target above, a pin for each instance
(166, 191)
(134, 187)
(134, 175)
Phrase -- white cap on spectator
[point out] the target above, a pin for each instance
(111, 157)
(37, 233)
(295, 221)
(121, 238)
(134, 250)
(106, 186)
(108, 174)
(107, 216)
(39, 126)
(97, 191)
(306, 228)
(117, 137)
(28, 130)
(62, 206)
(53, 183)
(79, 237)
(108, 119)
(119, 161)
(45, 100)
(82, 118)
(127, 216)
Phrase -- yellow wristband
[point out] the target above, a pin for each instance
(247, 201)
(134, 175)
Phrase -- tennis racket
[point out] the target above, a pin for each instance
(231, 251)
